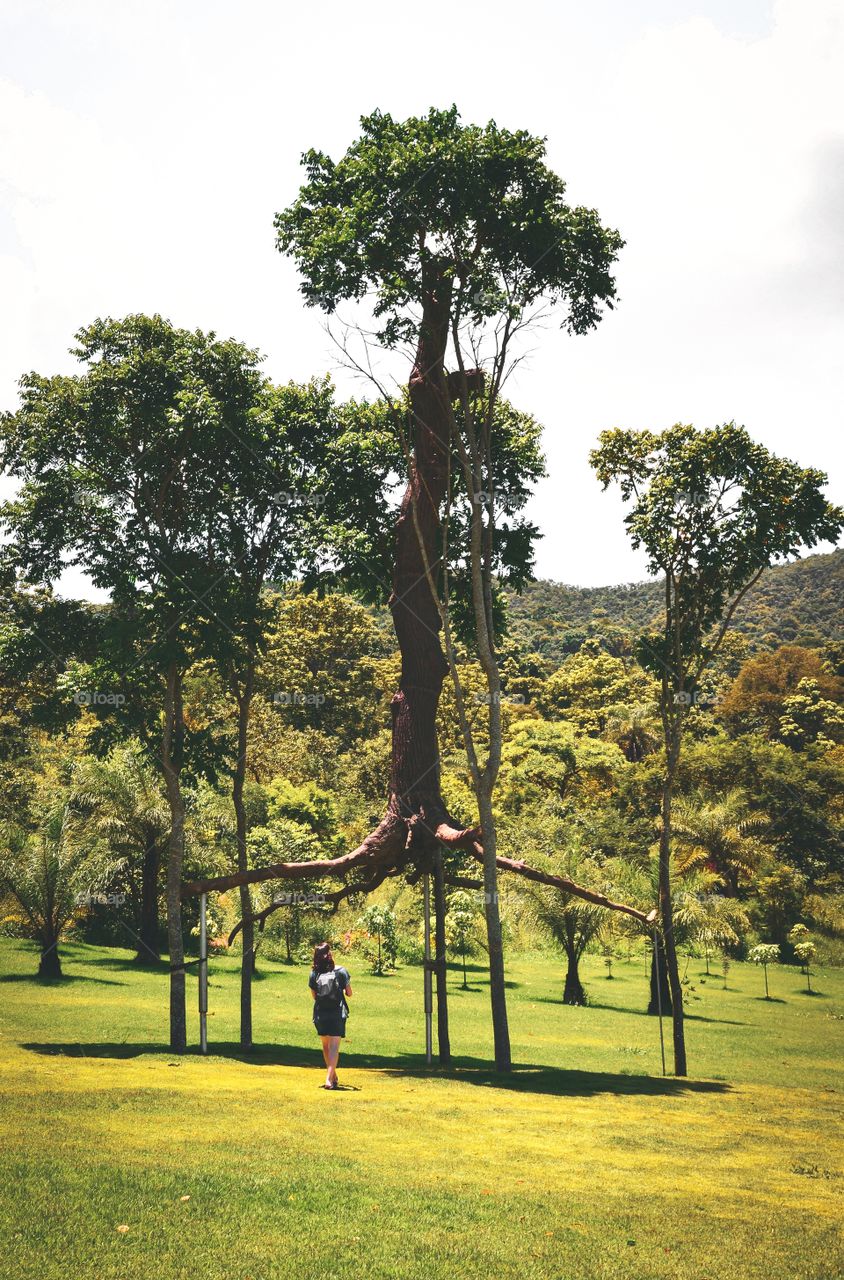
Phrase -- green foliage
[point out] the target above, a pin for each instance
(323, 666)
(706, 919)
(308, 805)
(720, 834)
(380, 947)
(591, 688)
(51, 874)
(780, 898)
(711, 509)
(764, 954)
(478, 204)
(462, 922)
(809, 719)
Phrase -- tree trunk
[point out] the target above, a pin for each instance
(573, 992)
(662, 992)
(172, 754)
(149, 947)
(495, 941)
(415, 769)
(247, 959)
(443, 1042)
(49, 964)
(667, 916)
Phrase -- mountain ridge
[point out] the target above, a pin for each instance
(801, 602)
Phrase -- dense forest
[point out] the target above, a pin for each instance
(759, 819)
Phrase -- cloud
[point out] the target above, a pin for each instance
(144, 153)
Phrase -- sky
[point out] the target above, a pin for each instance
(146, 146)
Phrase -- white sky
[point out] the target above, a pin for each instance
(145, 146)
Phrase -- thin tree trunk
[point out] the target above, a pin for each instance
(443, 1042)
(171, 759)
(247, 959)
(667, 916)
(660, 991)
(495, 941)
(149, 946)
(474, 459)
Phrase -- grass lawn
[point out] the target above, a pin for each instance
(584, 1164)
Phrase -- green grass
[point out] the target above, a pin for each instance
(584, 1165)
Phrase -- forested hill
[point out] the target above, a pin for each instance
(802, 603)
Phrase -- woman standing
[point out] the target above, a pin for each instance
(330, 985)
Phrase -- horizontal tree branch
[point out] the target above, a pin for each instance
(566, 885)
(385, 844)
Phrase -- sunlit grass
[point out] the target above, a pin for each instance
(585, 1163)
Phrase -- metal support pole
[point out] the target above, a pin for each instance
(659, 1002)
(429, 1004)
(203, 973)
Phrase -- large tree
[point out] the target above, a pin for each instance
(455, 236)
(452, 233)
(284, 493)
(712, 509)
(123, 470)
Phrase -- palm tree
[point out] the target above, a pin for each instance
(721, 835)
(702, 915)
(571, 922)
(51, 873)
(120, 801)
(636, 731)
(706, 917)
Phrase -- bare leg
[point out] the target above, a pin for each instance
(326, 1041)
(333, 1057)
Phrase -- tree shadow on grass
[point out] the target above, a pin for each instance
(639, 1013)
(64, 981)
(121, 964)
(525, 1077)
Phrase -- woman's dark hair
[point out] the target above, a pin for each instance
(323, 959)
